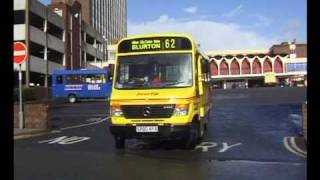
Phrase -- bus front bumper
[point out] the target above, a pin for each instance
(164, 132)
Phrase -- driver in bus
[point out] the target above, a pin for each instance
(156, 80)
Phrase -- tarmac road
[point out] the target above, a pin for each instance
(252, 134)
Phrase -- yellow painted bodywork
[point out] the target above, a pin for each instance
(198, 105)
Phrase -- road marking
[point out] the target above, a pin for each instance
(88, 124)
(265, 162)
(65, 140)
(226, 147)
(287, 146)
(93, 119)
(204, 146)
(293, 143)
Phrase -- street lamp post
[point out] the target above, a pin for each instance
(104, 49)
(46, 49)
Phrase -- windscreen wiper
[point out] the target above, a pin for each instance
(174, 83)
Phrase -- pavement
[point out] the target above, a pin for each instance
(61, 106)
(252, 134)
(29, 133)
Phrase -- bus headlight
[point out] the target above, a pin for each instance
(116, 110)
(181, 110)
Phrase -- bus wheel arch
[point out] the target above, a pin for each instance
(202, 126)
(72, 98)
(194, 135)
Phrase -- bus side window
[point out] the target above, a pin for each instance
(95, 78)
(73, 79)
(59, 79)
(100, 78)
(90, 79)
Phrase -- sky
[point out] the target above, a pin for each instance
(227, 24)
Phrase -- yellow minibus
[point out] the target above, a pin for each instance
(161, 89)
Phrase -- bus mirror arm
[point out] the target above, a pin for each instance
(200, 79)
(200, 85)
(200, 89)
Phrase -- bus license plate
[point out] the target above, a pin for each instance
(146, 128)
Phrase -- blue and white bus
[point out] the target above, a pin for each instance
(81, 84)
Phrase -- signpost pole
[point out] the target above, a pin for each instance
(19, 56)
(20, 99)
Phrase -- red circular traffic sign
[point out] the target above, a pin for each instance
(19, 52)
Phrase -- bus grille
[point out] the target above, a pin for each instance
(147, 111)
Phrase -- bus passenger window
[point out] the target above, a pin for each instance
(99, 78)
(102, 78)
(95, 78)
(90, 79)
(59, 79)
(74, 79)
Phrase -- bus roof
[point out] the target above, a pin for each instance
(81, 71)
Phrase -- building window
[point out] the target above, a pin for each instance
(293, 67)
(19, 17)
(111, 55)
(256, 67)
(245, 67)
(235, 68)
(224, 68)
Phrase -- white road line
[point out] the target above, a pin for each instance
(264, 162)
(287, 146)
(88, 124)
(293, 143)
(93, 119)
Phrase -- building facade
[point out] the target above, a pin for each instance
(52, 42)
(247, 68)
(108, 17)
(86, 44)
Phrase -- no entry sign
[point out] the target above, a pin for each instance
(19, 52)
(19, 56)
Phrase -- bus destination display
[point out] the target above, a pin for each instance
(154, 44)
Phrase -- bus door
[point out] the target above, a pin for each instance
(106, 84)
(204, 88)
(57, 85)
(108, 78)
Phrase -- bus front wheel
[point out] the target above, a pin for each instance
(72, 98)
(193, 137)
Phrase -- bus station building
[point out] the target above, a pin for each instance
(247, 68)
